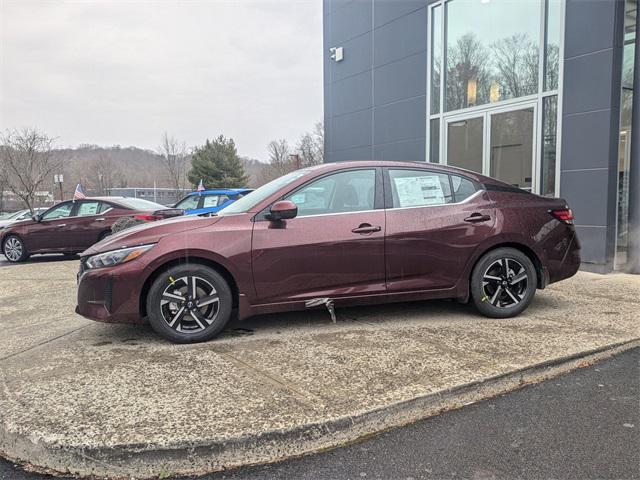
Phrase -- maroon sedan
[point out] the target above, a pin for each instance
(346, 233)
(73, 226)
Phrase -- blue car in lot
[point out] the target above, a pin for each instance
(210, 201)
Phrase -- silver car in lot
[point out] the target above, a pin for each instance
(11, 218)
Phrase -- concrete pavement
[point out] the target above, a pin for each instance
(84, 397)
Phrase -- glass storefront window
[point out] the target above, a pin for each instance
(436, 57)
(552, 45)
(549, 136)
(465, 143)
(624, 146)
(434, 140)
(491, 52)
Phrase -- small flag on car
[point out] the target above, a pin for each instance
(200, 187)
(79, 193)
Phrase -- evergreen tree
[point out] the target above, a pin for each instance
(218, 165)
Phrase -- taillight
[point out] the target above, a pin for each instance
(563, 214)
(147, 218)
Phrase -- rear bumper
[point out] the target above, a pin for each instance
(111, 294)
(568, 264)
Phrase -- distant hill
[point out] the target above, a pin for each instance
(125, 166)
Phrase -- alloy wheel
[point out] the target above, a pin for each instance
(13, 249)
(505, 283)
(189, 304)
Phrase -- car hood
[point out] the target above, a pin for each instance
(150, 232)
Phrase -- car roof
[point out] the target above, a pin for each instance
(219, 191)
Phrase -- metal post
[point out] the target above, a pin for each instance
(633, 247)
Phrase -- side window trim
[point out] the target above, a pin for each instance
(378, 196)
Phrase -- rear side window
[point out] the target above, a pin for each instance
(462, 188)
(419, 188)
(87, 208)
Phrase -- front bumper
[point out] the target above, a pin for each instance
(111, 294)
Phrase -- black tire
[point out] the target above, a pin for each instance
(14, 249)
(183, 321)
(503, 283)
(125, 222)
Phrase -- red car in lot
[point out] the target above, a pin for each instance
(73, 226)
(350, 233)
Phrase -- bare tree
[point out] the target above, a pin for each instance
(106, 174)
(27, 162)
(280, 161)
(175, 156)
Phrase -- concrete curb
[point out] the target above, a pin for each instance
(144, 461)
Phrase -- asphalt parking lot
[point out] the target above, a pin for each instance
(86, 397)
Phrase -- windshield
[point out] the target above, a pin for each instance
(140, 204)
(250, 200)
(10, 216)
(188, 203)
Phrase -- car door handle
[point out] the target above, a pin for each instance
(100, 219)
(366, 228)
(477, 218)
(61, 225)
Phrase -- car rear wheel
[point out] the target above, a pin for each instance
(189, 304)
(14, 249)
(503, 283)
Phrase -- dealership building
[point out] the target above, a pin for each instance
(537, 93)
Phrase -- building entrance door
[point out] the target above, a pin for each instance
(500, 143)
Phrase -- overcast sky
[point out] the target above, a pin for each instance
(122, 72)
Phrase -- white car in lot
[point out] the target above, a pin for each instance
(11, 218)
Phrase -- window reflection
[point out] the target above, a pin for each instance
(436, 57)
(492, 51)
(552, 45)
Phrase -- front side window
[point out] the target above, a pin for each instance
(88, 208)
(419, 188)
(188, 203)
(351, 191)
(61, 211)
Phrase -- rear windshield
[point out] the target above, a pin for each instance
(140, 204)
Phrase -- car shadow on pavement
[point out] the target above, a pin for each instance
(428, 312)
(46, 258)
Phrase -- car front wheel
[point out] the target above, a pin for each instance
(189, 303)
(14, 249)
(503, 283)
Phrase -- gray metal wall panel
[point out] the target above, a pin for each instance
(357, 57)
(403, 120)
(402, 79)
(388, 10)
(353, 20)
(590, 119)
(351, 130)
(588, 199)
(587, 151)
(352, 94)
(590, 26)
(411, 150)
(398, 85)
(400, 38)
(588, 81)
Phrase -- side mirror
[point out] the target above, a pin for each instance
(282, 210)
(37, 218)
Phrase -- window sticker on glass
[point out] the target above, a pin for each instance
(416, 191)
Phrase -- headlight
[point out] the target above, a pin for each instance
(116, 257)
